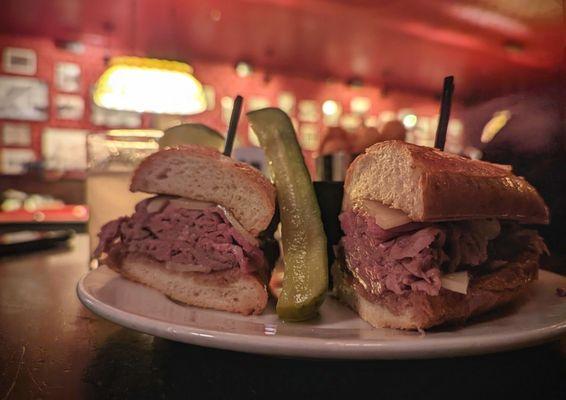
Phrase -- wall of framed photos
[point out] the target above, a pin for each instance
(54, 82)
(45, 87)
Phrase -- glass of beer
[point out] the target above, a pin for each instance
(112, 158)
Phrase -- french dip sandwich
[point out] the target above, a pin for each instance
(196, 241)
(433, 238)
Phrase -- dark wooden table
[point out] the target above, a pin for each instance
(51, 347)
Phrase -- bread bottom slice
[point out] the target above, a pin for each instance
(229, 290)
(417, 310)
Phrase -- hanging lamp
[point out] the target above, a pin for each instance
(149, 85)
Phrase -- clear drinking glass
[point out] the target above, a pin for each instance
(112, 158)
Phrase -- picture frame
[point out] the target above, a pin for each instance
(16, 60)
(67, 77)
(64, 149)
(69, 107)
(16, 134)
(16, 161)
(24, 99)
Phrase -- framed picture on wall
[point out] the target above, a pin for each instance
(23, 99)
(67, 77)
(20, 61)
(16, 161)
(16, 134)
(69, 106)
(64, 149)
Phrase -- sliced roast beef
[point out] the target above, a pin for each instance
(182, 239)
(407, 262)
(412, 260)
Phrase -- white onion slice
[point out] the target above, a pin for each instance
(236, 224)
(191, 204)
(456, 282)
(157, 202)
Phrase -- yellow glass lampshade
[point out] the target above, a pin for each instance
(150, 85)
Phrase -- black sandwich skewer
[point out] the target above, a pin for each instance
(445, 104)
(233, 125)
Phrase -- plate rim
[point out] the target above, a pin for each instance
(318, 347)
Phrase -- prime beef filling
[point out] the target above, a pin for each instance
(182, 239)
(412, 257)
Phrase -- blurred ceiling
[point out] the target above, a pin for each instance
(492, 47)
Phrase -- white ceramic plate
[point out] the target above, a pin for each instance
(337, 333)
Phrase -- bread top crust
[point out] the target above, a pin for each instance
(255, 180)
(193, 150)
(433, 160)
(446, 186)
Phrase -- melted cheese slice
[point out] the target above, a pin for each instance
(386, 217)
(456, 282)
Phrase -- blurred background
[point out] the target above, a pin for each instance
(89, 88)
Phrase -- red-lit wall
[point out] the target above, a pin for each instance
(221, 76)
(263, 84)
(91, 63)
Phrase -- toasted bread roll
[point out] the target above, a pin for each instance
(230, 290)
(200, 173)
(417, 310)
(430, 185)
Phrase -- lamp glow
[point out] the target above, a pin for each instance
(329, 107)
(494, 125)
(243, 69)
(410, 121)
(150, 85)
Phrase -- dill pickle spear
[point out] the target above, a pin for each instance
(302, 235)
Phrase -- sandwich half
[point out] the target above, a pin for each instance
(196, 241)
(433, 238)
